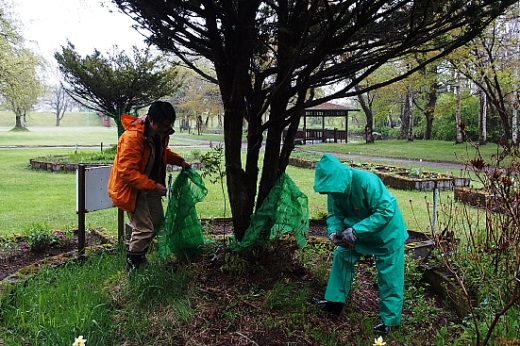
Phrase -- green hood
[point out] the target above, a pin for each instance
(332, 176)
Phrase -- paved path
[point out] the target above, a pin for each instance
(392, 160)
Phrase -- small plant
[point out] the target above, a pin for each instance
(321, 214)
(39, 239)
(213, 169)
(415, 173)
(195, 154)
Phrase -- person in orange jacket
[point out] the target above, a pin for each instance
(137, 181)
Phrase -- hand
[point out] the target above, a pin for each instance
(185, 165)
(349, 235)
(338, 239)
(160, 189)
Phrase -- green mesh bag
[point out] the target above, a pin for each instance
(181, 230)
(285, 210)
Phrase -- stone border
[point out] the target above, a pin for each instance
(44, 165)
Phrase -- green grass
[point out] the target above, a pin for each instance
(56, 306)
(28, 196)
(48, 119)
(172, 302)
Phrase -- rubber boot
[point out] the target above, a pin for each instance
(134, 260)
(335, 308)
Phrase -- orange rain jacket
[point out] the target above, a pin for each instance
(132, 163)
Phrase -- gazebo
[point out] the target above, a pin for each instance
(323, 135)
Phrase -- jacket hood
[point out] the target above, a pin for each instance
(332, 176)
(133, 123)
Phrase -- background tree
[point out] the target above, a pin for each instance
(19, 83)
(428, 93)
(197, 100)
(268, 55)
(21, 87)
(490, 61)
(117, 83)
(60, 102)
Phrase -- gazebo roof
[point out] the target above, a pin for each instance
(329, 106)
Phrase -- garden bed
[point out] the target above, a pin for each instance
(444, 284)
(424, 181)
(47, 164)
(477, 198)
(399, 177)
(18, 259)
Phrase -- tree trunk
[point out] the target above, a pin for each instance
(458, 113)
(482, 119)
(241, 188)
(430, 109)
(18, 122)
(369, 128)
(407, 118)
(514, 122)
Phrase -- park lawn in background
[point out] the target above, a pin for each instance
(95, 136)
(431, 150)
(60, 136)
(49, 199)
(30, 197)
(48, 119)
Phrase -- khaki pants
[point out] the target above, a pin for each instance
(145, 220)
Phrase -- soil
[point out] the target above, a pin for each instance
(227, 290)
(16, 255)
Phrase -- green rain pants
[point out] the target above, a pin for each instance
(390, 281)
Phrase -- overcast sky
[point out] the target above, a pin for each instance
(47, 24)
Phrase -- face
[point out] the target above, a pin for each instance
(163, 129)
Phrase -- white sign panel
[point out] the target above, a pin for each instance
(96, 191)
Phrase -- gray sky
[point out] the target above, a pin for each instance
(46, 26)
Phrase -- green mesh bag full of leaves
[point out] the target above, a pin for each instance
(285, 210)
(181, 231)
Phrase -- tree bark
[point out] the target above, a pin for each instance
(407, 131)
(458, 112)
(369, 128)
(482, 119)
(430, 109)
(18, 122)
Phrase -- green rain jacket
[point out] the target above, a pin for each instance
(360, 200)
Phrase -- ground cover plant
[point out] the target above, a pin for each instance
(485, 261)
(217, 298)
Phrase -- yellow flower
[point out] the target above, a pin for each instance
(379, 342)
(79, 341)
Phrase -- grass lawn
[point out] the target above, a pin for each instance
(433, 150)
(49, 199)
(30, 197)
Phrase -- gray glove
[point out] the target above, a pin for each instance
(338, 238)
(349, 236)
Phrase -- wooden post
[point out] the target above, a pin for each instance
(81, 209)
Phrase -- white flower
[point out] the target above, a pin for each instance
(79, 341)
(379, 342)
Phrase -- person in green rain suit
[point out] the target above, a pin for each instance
(363, 219)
